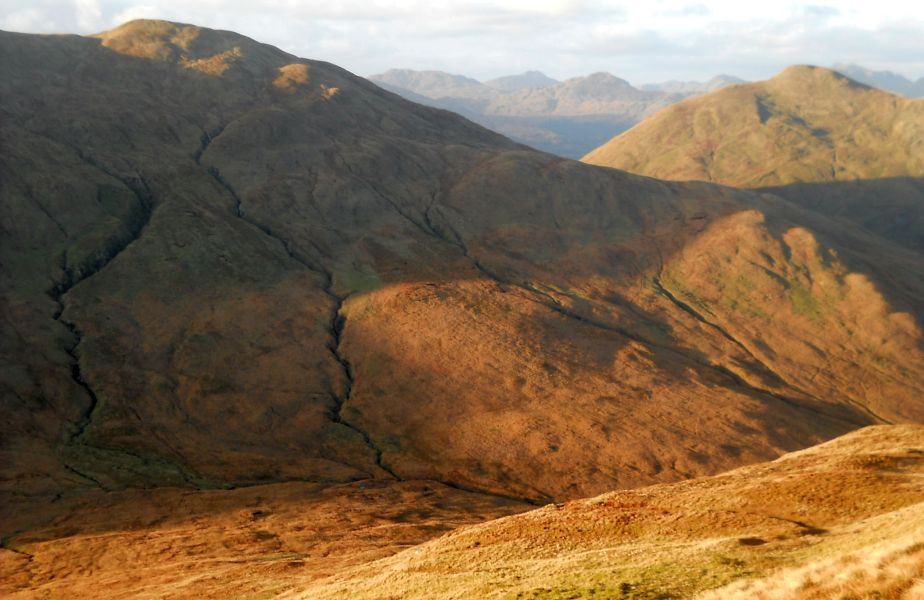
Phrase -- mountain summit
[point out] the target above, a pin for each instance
(807, 124)
(523, 81)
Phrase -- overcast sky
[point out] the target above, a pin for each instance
(643, 41)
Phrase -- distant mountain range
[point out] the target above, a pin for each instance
(523, 81)
(572, 117)
(692, 87)
(568, 118)
(884, 80)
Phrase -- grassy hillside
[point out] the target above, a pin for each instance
(843, 519)
(809, 134)
(807, 124)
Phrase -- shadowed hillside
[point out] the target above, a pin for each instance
(227, 267)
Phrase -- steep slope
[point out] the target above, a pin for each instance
(844, 148)
(842, 519)
(120, 228)
(231, 266)
(226, 266)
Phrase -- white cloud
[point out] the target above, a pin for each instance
(640, 41)
(88, 14)
(28, 19)
(147, 11)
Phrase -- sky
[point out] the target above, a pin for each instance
(643, 41)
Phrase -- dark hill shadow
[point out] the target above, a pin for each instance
(892, 207)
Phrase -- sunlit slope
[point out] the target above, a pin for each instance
(810, 134)
(786, 529)
(807, 124)
(252, 542)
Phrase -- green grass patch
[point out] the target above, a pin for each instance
(804, 302)
(358, 281)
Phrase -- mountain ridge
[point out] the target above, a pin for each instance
(884, 80)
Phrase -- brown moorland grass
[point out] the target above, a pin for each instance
(842, 518)
(845, 517)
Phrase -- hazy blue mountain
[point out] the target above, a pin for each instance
(692, 87)
(433, 84)
(523, 81)
(568, 118)
(884, 80)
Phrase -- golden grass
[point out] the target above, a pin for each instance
(891, 569)
(854, 506)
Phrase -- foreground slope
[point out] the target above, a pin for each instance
(844, 519)
(245, 543)
(809, 134)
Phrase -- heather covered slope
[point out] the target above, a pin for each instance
(809, 134)
(231, 266)
(224, 266)
(252, 542)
